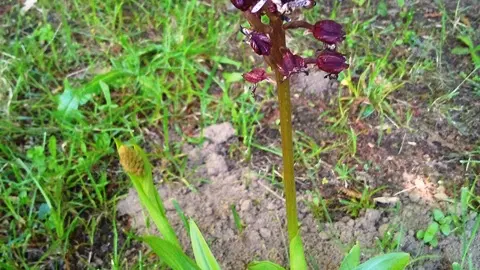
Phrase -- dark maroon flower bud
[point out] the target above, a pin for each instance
(328, 31)
(243, 5)
(255, 76)
(260, 43)
(331, 62)
(292, 63)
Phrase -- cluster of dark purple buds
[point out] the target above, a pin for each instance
(327, 31)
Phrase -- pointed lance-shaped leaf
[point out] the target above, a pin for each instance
(331, 62)
(328, 31)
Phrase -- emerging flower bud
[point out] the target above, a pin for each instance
(260, 43)
(328, 31)
(243, 5)
(292, 63)
(331, 62)
(131, 161)
(255, 76)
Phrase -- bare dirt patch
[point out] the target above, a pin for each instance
(261, 208)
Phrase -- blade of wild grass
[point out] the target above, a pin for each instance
(171, 254)
(182, 216)
(236, 217)
(203, 255)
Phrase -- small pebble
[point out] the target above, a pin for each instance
(414, 197)
(323, 236)
(265, 233)
(271, 206)
(246, 205)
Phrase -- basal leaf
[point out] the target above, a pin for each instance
(203, 255)
(170, 254)
(352, 259)
(264, 265)
(297, 256)
(390, 261)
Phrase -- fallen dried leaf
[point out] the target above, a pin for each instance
(386, 200)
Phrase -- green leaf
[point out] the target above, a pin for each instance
(181, 214)
(467, 40)
(430, 232)
(460, 51)
(170, 254)
(447, 220)
(352, 259)
(401, 3)
(390, 261)
(203, 255)
(359, 2)
(237, 219)
(445, 229)
(43, 211)
(297, 256)
(264, 265)
(456, 266)
(434, 242)
(438, 215)
(464, 198)
(106, 93)
(420, 234)
(70, 99)
(231, 77)
(382, 9)
(226, 60)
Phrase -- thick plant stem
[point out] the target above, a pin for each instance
(287, 154)
(283, 92)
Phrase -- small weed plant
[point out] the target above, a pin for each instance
(440, 224)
